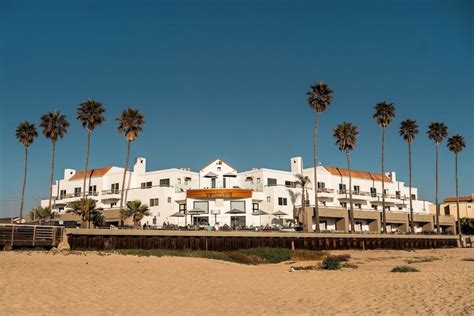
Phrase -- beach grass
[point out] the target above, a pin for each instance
(404, 269)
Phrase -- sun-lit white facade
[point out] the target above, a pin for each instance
(220, 194)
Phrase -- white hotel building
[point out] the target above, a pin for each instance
(219, 193)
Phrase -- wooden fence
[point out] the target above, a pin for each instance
(220, 241)
(30, 235)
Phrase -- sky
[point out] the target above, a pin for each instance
(228, 79)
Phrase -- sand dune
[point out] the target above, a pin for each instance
(43, 283)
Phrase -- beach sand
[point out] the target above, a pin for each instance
(47, 283)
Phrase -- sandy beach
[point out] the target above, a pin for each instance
(47, 283)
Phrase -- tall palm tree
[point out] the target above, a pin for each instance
(131, 125)
(384, 114)
(456, 144)
(437, 131)
(408, 130)
(136, 210)
(319, 99)
(54, 126)
(346, 139)
(85, 207)
(91, 115)
(303, 181)
(26, 134)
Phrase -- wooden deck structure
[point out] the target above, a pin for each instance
(225, 241)
(30, 235)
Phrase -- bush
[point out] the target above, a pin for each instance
(270, 255)
(330, 263)
(307, 255)
(349, 265)
(305, 268)
(404, 269)
(342, 258)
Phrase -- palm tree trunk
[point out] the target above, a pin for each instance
(87, 163)
(123, 179)
(22, 202)
(384, 218)
(457, 198)
(351, 210)
(436, 196)
(315, 164)
(412, 224)
(53, 150)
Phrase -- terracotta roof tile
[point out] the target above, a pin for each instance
(451, 199)
(356, 174)
(91, 173)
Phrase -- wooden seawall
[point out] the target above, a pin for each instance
(225, 241)
(29, 236)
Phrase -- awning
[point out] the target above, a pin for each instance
(230, 174)
(211, 175)
(235, 211)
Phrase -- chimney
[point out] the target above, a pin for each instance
(68, 173)
(140, 165)
(297, 165)
(391, 175)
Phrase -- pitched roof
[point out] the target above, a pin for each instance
(461, 199)
(356, 174)
(218, 159)
(91, 173)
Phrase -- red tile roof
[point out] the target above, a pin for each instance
(357, 174)
(91, 173)
(451, 199)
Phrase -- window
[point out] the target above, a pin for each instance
(219, 168)
(179, 180)
(271, 182)
(213, 183)
(342, 188)
(321, 185)
(387, 208)
(77, 192)
(397, 194)
(258, 180)
(413, 197)
(343, 204)
(169, 199)
(356, 189)
(400, 208)
(375, 207)
(146, 185)
(373, 192)
(92, 189)
(113, 204)
(224, 182)
(446, 210)
(290, 184)
(154, 202)
(182, 207)
(282, 201)
(255, 206)
(62, 194)
(203, 205)
(358, 205)
(164, 182)
(269, 199)
(114, 188)
(239, 205)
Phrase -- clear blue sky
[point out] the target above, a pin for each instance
(228, 79)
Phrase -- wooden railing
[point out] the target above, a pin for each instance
(30, 235)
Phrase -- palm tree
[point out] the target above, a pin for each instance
(136, 210)
(130, 124)
(456, 144)
(54, 126)
(408, 130)
(346, 139)
(26, 134)
(302, 181)
(40, 213)
(384, 114)
(85, 208)
(319, 99)
(91, 115)
(437, 131)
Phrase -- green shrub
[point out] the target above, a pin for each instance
(307, 255)
(404, 269)
(330, 263)
(269, 255)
